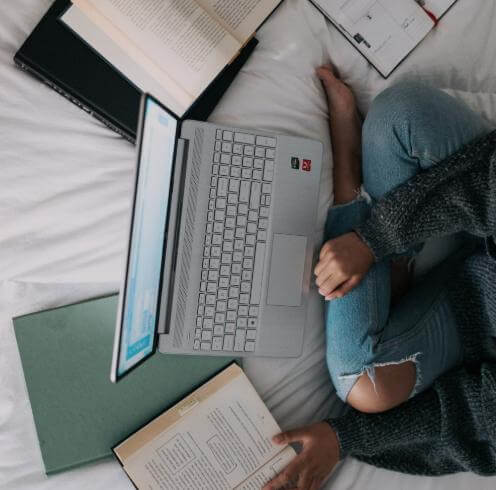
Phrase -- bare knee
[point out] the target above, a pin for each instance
(393, 385)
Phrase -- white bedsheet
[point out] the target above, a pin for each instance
(65, 195)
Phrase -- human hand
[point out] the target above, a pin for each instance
(344, 262)
(319, 456)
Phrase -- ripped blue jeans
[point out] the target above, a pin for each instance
(409, 128)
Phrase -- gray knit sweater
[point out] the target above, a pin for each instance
(451, 427)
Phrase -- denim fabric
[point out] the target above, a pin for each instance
(409, 128)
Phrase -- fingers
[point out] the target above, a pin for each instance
(331, 284)
(289, 474)
(296, 435)
(315, 484)
(326, 248)
(344, 288)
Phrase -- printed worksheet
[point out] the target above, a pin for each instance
(384, 31)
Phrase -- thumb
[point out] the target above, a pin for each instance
(345, 288)
(297, 435)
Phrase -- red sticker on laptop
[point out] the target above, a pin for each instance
(306, 165)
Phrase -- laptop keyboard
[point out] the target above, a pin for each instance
(235, 241)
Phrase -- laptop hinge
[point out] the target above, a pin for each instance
(172, 238)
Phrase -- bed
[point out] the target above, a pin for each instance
(66, 182)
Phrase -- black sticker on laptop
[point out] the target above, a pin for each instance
(295, 163)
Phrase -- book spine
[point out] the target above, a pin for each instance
(73, 99)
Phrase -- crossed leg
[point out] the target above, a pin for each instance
(379, 356)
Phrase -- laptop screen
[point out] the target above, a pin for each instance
(139, 303)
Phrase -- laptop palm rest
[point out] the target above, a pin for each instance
(286, 270)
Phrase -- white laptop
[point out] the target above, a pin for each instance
(219, 258)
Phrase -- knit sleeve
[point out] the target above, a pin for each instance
(449, 428)
(458, 194)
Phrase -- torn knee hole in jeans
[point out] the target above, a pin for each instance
(370, 371)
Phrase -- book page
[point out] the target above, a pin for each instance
(178, 37)
(437, 7)
(269, 470)
(221, 441)
(384, 31)
(119, 59)
(240, 18)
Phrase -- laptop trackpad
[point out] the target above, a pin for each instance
(286, 270)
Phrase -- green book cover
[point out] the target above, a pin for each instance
(79, 414)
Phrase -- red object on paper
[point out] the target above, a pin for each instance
(307, 165)
(432, 16)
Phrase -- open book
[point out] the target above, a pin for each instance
(171, 48)
(217, 437)
(384, 31)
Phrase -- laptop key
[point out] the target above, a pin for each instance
(239, 340)
(256, 290)
(196, 345)
(228, 342)
(252, 323)
(260, 152)
(222, 184)
(249, 346)
(244, 138)
(213, 275)
(269, 153)
(205, 346)
(244, 191)
(217, 343)
(251, 334)
(256, 189)
(247, 275)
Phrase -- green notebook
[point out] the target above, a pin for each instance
(79, 414)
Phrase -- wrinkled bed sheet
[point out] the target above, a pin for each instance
(65, 193)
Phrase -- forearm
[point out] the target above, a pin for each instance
(449, 428)
(458, 194)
